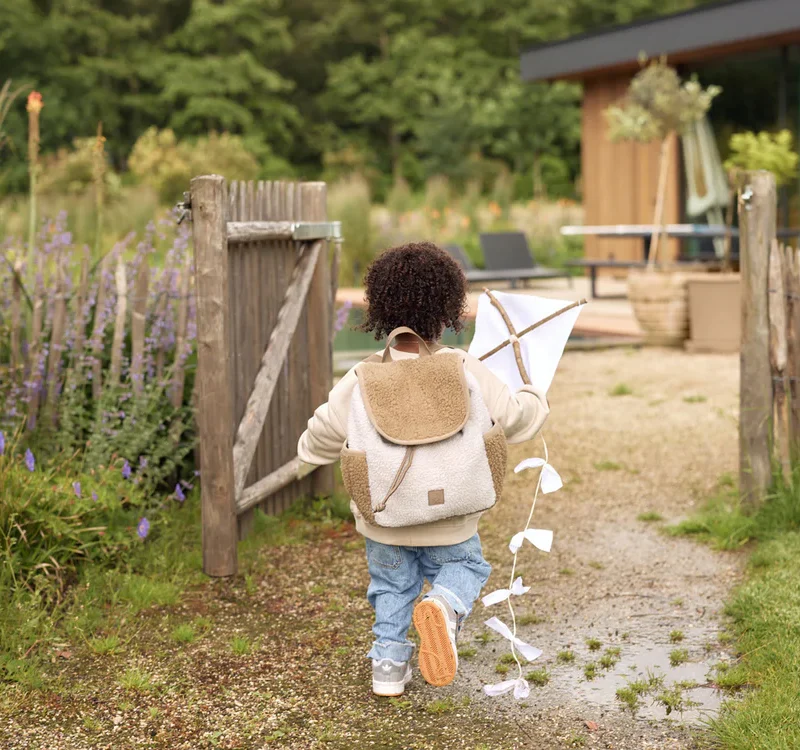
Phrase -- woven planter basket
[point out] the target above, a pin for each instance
(660, 303)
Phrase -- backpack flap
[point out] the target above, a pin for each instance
(416, 401)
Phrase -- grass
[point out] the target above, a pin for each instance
(565, 657)
(676, 636)
(538, 677)
(694, 400)
(630, 698)
(608, 466)
(678, 656)
(764, 611)
(621, 389)
(508, 659)
(673, 699)
(567, 572)
(184, 633)
(530, 619)
(483, 637)
(596, 565)
(502, 668)
(609, 658)
(593, 644)
(241, 645)
(467, 652)
(109, 644)
(650, 516)
(135, 679)
(100, 607)
(590, 670)
(441, 706)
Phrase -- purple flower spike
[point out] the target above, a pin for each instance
(126, 470)
(2, 443)
(179, 495)
(30, 461)
(143, 529)
(94, 496)
(342, 315)
(76, 486)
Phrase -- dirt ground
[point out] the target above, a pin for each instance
(304, 683)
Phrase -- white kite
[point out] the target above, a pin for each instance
(521, 338)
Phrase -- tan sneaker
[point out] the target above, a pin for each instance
(436, 623)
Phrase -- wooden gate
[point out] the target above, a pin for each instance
(265, 295)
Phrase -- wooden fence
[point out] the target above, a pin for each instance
(264, 310)
(770, 354)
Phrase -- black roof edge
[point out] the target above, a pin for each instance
(644, 21)
(710, 27)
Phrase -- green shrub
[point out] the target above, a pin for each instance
(773, 152)
(52, 522)
(159, 159)
(349, 202)
(70, 171)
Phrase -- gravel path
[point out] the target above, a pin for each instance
(303, 683)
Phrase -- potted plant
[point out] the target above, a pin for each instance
(715, 300)
(659, 106)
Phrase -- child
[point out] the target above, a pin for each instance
(420, 287)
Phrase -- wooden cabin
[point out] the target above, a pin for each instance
(751, 48)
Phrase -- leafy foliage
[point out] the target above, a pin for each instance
(773, 152)
(412, 87)
(158, 159)
(658, 103)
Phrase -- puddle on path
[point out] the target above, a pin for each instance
(641, 663)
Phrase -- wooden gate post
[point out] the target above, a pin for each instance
(757, 209)
(215, 394)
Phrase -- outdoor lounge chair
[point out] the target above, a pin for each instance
(508, 258)
(458, 254)
(516, 265)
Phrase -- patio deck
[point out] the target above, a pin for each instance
(600, 318)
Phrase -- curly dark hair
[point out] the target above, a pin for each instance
(416, 285)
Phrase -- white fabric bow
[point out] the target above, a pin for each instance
(520, 687)
(528, 651)
(551, 481)
(500, 595)
(540, 538)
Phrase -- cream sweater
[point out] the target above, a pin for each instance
(521, 416)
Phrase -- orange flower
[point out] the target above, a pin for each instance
(435, 214)
(494, 207)
(465, 222)
(35, 102)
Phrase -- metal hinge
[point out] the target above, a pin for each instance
(184, 208)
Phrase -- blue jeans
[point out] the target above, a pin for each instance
(457, 572)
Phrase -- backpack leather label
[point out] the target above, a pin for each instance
(436, 497)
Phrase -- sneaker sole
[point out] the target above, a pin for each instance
(437, 659)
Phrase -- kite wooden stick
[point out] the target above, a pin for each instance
(514, 339)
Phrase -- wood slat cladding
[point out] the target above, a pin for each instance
(619, 179)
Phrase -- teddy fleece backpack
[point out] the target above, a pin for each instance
(421, 445)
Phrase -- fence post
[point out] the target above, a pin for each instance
(757, 209)
(320, 313)
(215, 396)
